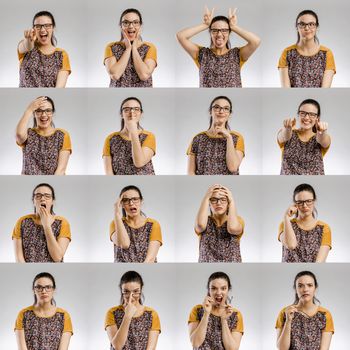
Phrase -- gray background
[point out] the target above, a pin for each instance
(279, 104)
(279, 32)
(70, 115)
(71, 33)
(249, 18)
(158, 28)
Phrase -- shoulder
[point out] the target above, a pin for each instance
(236, 133)
(290, 48)
(147, 133)
(149, 309)
(113, 309)
(200, 135)
(116, 133)
(324, 311)
(150, 45)
(324, 48)
(59, 310)
(24, 217)
(64, 52)
(61, 131)
(26, 309)
(322, 223)
(60, 218)
(115, 43)
(152, 221)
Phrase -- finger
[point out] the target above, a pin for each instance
(212, 12)
(234, 11)
(129, 299)
(229, 13)
(206, 10)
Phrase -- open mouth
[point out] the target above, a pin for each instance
(43, 36)
(43, 205)
(44, 120)
(133, 210)
(218, 299)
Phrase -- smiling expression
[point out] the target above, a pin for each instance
(308, 121)
(43, 34)
(219, 39)
(130, 25)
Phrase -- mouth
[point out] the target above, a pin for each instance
(131, 32)
(133, 210)
(44, 120)
(43, 36)
(218, 299)
(43, 205)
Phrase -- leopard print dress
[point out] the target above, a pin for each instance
(219, 71)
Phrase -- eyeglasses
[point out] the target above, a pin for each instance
(40, 112)
(127, 293)
(46, 26)
(308, 202)
(41, 195)
(303, 114)
(130, 109)
(40, 288)
(218, 109)
(303, 25)
(135, 23)
(128, 201)
(214, 200)
(224, 31)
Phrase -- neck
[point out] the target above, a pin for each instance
(220, 50)
(306, 219)
(306, 306)
(306, 132)
(220, 218)
(307, 44)
(44, 306)
(135, 219)
(213, 125)
(46, 131)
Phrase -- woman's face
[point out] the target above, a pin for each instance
(220, 111)
(218, 203)
(305, 203)
(308, 116)
(44, 290)
(218, 290)
(131, 110)
(43, 198)
(131, 291)
(306, 26)
(131, 203)
(305, 288)
(44, 115)
(130, 25)
(219, 32)
(43, 27)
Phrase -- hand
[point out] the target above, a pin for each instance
(289, 312)
(30, 37)
(289, 123)
(137, 42)
(131, 124)
(208, 304)
(118, 207)
(232, 18)
(221, 130)
(321, 127)
(212, 189)
(36, 104)
(45, 217)
(227, 312)
(291, 211)
(208, 16)
(129, 308)
(226, 192)
(126, 40)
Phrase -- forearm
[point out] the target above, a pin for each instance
(284, 135)
(138, 157)
(62, 162)
(234, 227)
(122, 237)
(107, 162)
(22, 127)
(53, 247)
(202, 215)
(121, 336)
(323, 139)
(118, 68)
(152, 251)
(252, 39)
(327, 78)
(188, 33)
(233, 160)
(284, 77)
(322, 254)
(142, 70)
(227, 338)
(283, 342)
(289, 238)
(198, 335)
(25, 46)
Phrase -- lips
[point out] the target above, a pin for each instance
(43, 205)
(218, 300)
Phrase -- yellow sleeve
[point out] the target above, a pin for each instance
(67, 327)
(150, 142)
(329, 323)
(282, 63)
(151, 53)
(65, 229)
(108, 51)
(239, 327)
(107, 147)
(330, 64)
(240, 144)
(16, 233)
(19, 321)
(189, 150)
(241, 221)
(111, 229)
(280, 320)
(280, 230)
(196, 60)
(324, 150)
(156, 232)
(155, 322)
(194, 315)
(67, 145)
(327, 236)
(241, 61)
(109, 319)
(66, 63)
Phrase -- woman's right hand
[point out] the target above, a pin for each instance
(30, 37)
(208, 16)
(289, 312)
(211, 190)
(208, 304)
(130, 309)
(291, 211)
(36, 104)
(289, 123)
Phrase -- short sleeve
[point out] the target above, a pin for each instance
(20, 56)
(108, 52)
(67, 145)
(111, 229)
(156, 232)
(107, 147)
(155, 322)
(330, 64)
(65, 63)
(324, 150)
(241, 221)
(109, 319)
(65, 229)
(280, 320)
(329, 323)
(326, 236)
(193, 317)
(199, 56)
(19, 321)
(16, 233)
(280, 230)
(239, 327)
(192, 149)
(240, 144)
(67, 327)
(282, 63)
(241, 61)
(151, 53)
(150, 142)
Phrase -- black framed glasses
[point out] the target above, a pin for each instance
(303, 25)
(135, 23)
(215, 200)
(42, 195)
(224, 31)
(40, 288)
(128, 201)
(218, 109)
(46, 26)
(303, 114)
(308, 202)
(40, 112)
(130, 109)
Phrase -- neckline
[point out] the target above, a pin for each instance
(298, 131)
(144, 223)
(318, 51)
(46, 54)
(316, 224)
(56, 308)
(36, 129)
(217, 55)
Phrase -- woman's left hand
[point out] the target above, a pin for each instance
(221, 130)
(321, 127)
(227, 312)
(46, 218)
(137, 42)
(226, 192)
(232, 18)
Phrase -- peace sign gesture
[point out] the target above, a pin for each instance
(321, 126)
(208, 16)
(232, 17)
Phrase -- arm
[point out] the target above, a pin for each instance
(107, 162)
(252, 39)
(27, 44)
(120, 237)
(322, 253)
(285, 134)
(283, 337)
(288, 237)
(198, 331)
(152, 251)
(202, 215)
(140, 155)
(233, 157)
(284, 77)
(62, 77)
(322, 136)
(326, 340)
(152, 340)
(64, 343)
(21, 342)
(230, 340)
(62, 162)
(234, 227)
(18, 250)
(327, 78)
(191, 164)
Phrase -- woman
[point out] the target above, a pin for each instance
(303, 149)
(306, 63)
(43, 325)
(42, 64)
(215, 324)
(42, 236)
(130, 150)
(131, 325)
(130, 61)
(46, 149)
(304, 324)
(217, 151)
(219, 233)
(136, 237)
(219, 65)
(303, 237)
